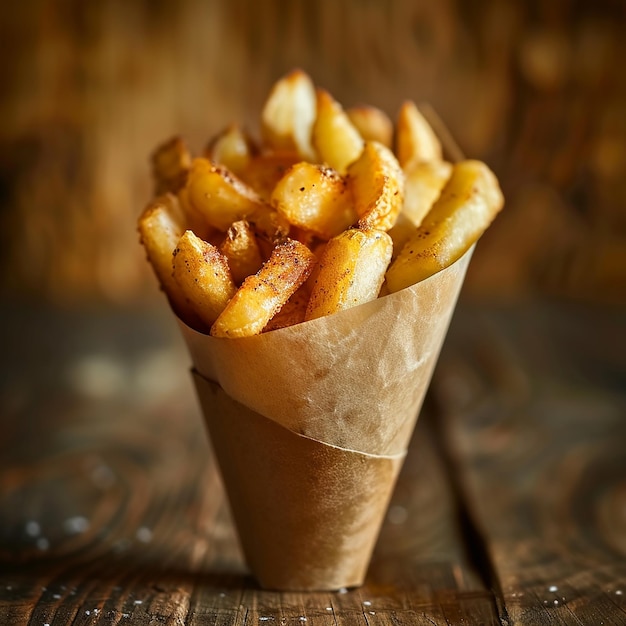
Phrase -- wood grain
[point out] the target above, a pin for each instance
(534, 404)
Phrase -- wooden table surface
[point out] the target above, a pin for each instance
(510, 509)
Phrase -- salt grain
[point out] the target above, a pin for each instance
(367, 603)
(618, 592)
(553, 588)
(57, 596)
(302, 618)
(138, 601)
(33, 529)
(342, 590)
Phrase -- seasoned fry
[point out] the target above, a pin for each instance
(203, 275)
(331, 209)
(424, 181)
(232, 148)
(288, 115)
(377, 185)
(241, 249)
(372, 124)
(314, 198)
(219, 195)
(336, 139)
(467, 205)
(170, 164)
(415, 139)
(263, 294)
(291, 313)
(160, 227)
(351, 271)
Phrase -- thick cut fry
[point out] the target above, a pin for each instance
(401, 232)
(241, 249)
(263, 294)
(288, 115)
(170, 164)
(160, 227)
(219, 195)
(415, 139)
(265, 170)
(232, 148)
(291, 313)
(351, 271)
(424, 181)
(376, 182)
(204, 277)
(315, 198)
(335, 137)
(372, 124)
(467, 205)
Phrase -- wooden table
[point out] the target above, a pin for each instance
(510, 509)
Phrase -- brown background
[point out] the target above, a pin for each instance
(537, 89)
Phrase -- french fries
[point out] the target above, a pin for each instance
(332, 208)
(263, 294)
(203, 275)
(335, 137)
(314, 198)
(351, 271)
(377, 185)
(465, 209)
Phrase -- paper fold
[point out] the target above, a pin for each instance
(355, 379)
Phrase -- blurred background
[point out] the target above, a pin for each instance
(536, 89)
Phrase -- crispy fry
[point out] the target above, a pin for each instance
(263, 294)
(203, 275)
(376, 182)
(219, 195)
(291, 313)
(424, 181)
(351, 271)
(241, 249)
(288, 115)
(372, 124)
(160, 227)
(232, 148)
(314, 198)
(336, 139)
(415, 139)
(467, 205)
(170, 164)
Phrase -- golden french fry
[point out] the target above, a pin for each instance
(401, 232)
(337, 141)
(372, 124)
(415, 139)
(465, 209)
(232, 148)
(424, 181)
(203, 275)
(376, 182)
(288, 115)
(219, 195)
(351, 271)
(160, 227)
(263, 294)
(314, 198)
(170, 164)
(265, 170)
(241, 249)
(291, 313)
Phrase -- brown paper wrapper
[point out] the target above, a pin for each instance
(310, 425)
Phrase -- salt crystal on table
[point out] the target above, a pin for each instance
(33, 529)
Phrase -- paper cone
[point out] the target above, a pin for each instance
(311, 423)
